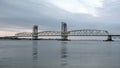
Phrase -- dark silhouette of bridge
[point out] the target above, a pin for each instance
(65, 34)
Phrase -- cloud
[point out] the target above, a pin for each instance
(48, 14)
(110, 15)
(78, 6)
(28, 13)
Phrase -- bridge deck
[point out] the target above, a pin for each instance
(68, 35)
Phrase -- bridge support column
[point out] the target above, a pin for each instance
(35, 32)
(109, 38)
(64, 34)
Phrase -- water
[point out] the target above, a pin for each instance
(59, 54)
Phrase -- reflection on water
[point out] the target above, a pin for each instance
(64, 54)
(59, 54)
(35, 50)
(35, 54)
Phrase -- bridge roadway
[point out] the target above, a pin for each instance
(73, 35)
(60, 35)
(68, 35)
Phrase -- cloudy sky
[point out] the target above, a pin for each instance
(20, 15)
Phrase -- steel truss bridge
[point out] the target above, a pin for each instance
(83, 32)
(65, 34)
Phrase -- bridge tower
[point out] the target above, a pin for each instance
(64, 34)
(35, 32)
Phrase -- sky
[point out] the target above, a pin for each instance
(20, 15)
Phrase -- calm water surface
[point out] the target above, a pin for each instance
(59, 54)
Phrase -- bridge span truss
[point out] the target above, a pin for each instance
(83, 32)
(88, 32)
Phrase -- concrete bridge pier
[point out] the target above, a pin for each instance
(109, 38)
(64, 34)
